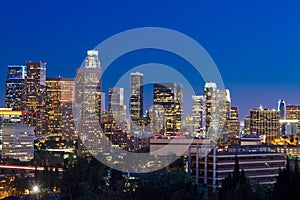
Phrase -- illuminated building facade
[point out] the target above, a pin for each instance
(113, 131)
(136, 98)
(35, 96)
(88, 102)
(116, 104)
(15, 87)
(282, 112)
(59, 115)
(281, 108)
(293, 112)
(265, 122)
(217, 110)
(247, 125)
(260, 167)
(18, 142)
(233, 125)
(167, 99)
(9, 117)
(198, 115)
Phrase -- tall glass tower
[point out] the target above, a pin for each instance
(136, 98)
(167, 99)
(281, 109)
(35, 94)
(15, 87)
(88, 103)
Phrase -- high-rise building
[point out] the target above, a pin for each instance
(233, 125)
(15, 87)
(113, 131)
(217, 110)
(265, 122)
(247, 125)
(35, 94)
(198, 115)
(59, 115)
(103, 107)
(293, 112)
(88, 103)
(168, 101)
(281, 109)
(282, 114)
(9, 117)
(18, 142)
(188, 125)
(116, 104)
(234, 112)
(88, 87)
(136, 98)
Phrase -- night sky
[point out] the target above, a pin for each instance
(255, 44)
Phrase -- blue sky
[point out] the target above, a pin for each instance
(255, 44)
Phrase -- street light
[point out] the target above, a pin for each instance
(35, 189)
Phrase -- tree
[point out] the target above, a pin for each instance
(236, 185)
(168, 184)
(287, 185)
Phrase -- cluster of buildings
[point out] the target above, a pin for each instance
(71, 109)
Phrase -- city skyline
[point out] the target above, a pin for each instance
(150, 100)
(263, 45)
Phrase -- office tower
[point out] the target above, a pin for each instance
(265, 122)
(247, 125)
(167, 99)
(15, 87)
(35, 94)
(9, 117)
(233, 126)
(103, 108)
(259, 166)
(281, 109)
(282, 113)
(18, 142)
(116, 104)
(234, 113)
(67, 98)
(136, 99)
(293, 112)
(113, 131)
(189, 125)
(88, 102)
(59, 115)
(198, 115)
(217, 110)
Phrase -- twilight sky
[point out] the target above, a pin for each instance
(255, 44)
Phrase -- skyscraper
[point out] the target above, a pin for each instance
(116, 104)
(247, 125)
(15, 87)
(136, 98)
(233, 125)
(217, 110)
(282, 114)
(35, 94)
(293, 112)
(281, 109)
(198, 115)
(265, 122)
(88, 87)
(59, 115)
(167, 99)
(88, 102)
